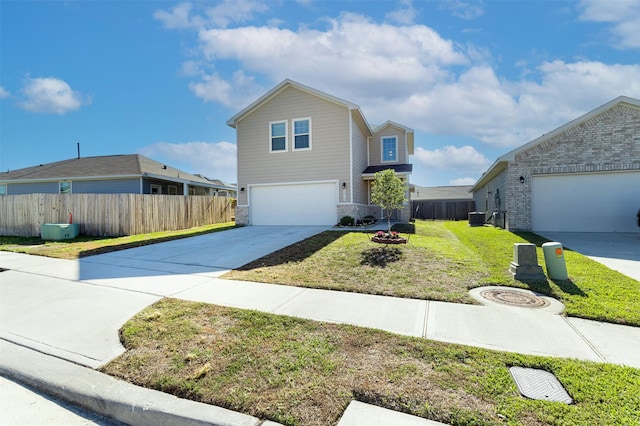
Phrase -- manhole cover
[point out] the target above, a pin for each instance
(514, 298)
(539, 384)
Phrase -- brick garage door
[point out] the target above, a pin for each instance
(589, 202)
(299, 204)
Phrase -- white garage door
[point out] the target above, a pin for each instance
(301, 204)
(594, 202)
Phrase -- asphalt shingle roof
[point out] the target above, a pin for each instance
(103, 166)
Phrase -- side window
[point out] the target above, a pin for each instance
(302, 134)
(173, 190)
(3, 189)
(65, 187)
(156, 189)
(389, 148)
(278, 136)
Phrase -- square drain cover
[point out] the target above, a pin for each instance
(539, 384)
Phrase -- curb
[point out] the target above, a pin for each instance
(105, 395)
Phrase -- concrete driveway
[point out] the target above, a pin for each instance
(73, 309)
(618, 251)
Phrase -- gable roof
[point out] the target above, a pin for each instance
(407, 130)
(233, 121)
(102, 167)
(502, 162)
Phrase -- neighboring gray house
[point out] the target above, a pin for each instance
(581, 177)
(111, 174)
(442, 202)
(307, 157)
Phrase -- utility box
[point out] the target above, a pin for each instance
(476, 218)
(554, 260)
(59, 231)
(525, 263)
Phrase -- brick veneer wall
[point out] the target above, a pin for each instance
(608, 142)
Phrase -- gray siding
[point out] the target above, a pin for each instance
(485, 199)
(32, 188)
(146, 186)
(112, 186)
(327, 160)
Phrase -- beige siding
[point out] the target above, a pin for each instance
(327, 160)
(375, 146)
(360, 191)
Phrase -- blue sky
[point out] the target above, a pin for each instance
(475, 79)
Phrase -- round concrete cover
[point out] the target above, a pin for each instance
(514, 298)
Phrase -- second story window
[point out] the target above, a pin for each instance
(302, 133)
(390, 148)
(278, 136)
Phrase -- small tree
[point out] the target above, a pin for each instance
(388, 191)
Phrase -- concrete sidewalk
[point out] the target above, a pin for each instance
(72, 310)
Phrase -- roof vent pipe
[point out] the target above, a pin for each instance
(78, 150)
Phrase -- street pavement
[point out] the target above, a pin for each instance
(61, 315)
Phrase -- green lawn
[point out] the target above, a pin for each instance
(301, 372)
(442, 261)
(84, 246)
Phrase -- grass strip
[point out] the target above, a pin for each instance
(301, 372)
(84, 246)
(593, 291)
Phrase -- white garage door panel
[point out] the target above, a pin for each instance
(303, 204)
(593, 202)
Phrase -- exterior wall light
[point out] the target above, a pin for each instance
(344, 185)
(521, 179)
(242, 189)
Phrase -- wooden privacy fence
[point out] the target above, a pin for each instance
(442, 210)
(111, 214)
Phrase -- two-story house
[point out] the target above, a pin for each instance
(308, 158)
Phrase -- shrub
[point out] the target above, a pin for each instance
(347, 221)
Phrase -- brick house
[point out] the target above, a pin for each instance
(581, 177)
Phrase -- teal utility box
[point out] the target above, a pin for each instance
(59, 231)
(554, 260)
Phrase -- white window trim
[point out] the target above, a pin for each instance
(5, 186)
(382, 138)
(173, 190)
(70, 186)
(293, 130)
(286, 137)
(158, 187)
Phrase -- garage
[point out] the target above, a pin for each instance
(295, 204)
(589, 202)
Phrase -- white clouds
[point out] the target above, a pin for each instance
(51, 95)
(624, 15)
(408, 74)
(405, 14)
(467, 10)
(224, 13)
(4, 93)
(213, 160)
(462, 181)
(349, 58)
(465, 158)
